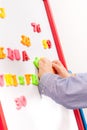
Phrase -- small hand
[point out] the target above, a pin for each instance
(45, 66)
(60, 69)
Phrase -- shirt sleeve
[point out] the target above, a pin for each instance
(70, 92)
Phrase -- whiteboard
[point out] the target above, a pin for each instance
(40, 112)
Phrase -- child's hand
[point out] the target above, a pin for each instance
(60, 69)
(45, 66)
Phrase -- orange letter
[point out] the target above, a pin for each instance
(2, 55)
(14, 80)
(28, 78)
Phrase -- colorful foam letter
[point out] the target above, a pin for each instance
(36, 27)
(18, 103)
(21, 101)
(2, 54)
(21, 80)
(35, 80)
(17, 54)
(2, 13)
(36, 62)
(49, 44)
(15, 83)
(25, 41)
(1, 80)
(25, 56)
(28, 78)
(10, 54)
(8, 79)
(45, 45)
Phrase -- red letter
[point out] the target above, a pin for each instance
(1, 80)
(25, 56)
(10, 54)
(17, 54)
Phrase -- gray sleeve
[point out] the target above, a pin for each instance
(70, 92)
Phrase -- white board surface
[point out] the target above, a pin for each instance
(40, 113)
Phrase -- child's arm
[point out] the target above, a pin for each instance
(67, 90)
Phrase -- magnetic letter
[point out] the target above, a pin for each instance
(36, 62)
(9, 80)
(45, 45)
(36, 27)
(15, 83)
(49, 43)
(2, 13)
(21, 80)
(1, 80)
(25, 56)
(2, 54)
(17, 54)
(18, 103)
(21, 101)
(28, 78)
(10, 54)
(35, 80)
(25, 40)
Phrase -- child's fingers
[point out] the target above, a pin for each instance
(56, 67)
(55, 61)
(58, 62)
(42, 61)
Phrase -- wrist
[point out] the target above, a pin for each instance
(73, 74)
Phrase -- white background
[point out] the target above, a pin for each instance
(71, 22)
(70, 18)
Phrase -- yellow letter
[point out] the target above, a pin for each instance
(9, 80)
(2, 13)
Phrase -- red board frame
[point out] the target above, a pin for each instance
(60, 54)
(3, 125)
